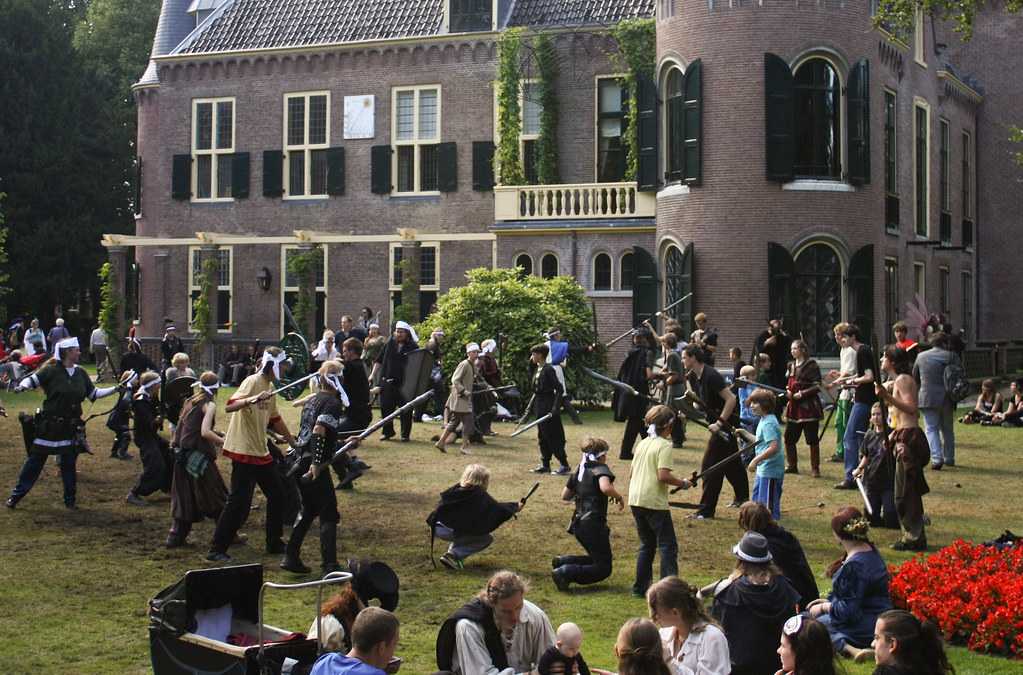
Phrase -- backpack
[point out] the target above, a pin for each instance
(956, 385)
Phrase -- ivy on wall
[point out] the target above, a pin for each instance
(509, 114)
(637, 56)
(408, 310)
(547, 145)
(302, 265)
(110, 303)
(201, 312)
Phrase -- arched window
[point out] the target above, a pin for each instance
(626, 273)
(674, 109)
(818, 297)
(549, 266)
(525, 262)
(602, 272)
(674, 282)
(818, 120)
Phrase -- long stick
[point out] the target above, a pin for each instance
(694, 417)
(714, 467)
(531, 425)
(529, 494)
(527, 410)
(863, 493)
(493, 389)
(293, 384)
(751, 383)
(656, 315)
(384, 420)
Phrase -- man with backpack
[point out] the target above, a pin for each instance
(941, 377)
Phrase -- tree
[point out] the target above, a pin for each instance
(519, 308)
(900, 15)
(4, 276)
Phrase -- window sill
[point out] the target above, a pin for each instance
(608, 294)
(415, 196)
(814, 185)
(305, 198)
(673, 190)
(225, 200)
(894, 231)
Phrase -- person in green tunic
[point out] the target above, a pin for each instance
(59, 426)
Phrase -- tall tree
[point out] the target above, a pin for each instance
(900, 14)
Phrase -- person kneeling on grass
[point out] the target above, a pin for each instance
(467, 514)
(374, 640)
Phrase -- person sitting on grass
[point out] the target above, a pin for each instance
(693, 642)
(859, 583)
(905, 646)
(786, 551)
(638, 650)
(1013, 415)
(374, 641)
(989, 402)
(467, 515)
(566, 651)
(805, 648)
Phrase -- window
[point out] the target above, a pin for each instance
(818, 285)
(921, 175)
(289, 289)
(612, 101)
(549, 266)
(967, 304)
(818, 120)
(674, 111)
(531, 110)
(626, 273)
(918, 38)
(665, 9)
(946, 204)
(223, 286)
(212, 148)
(602, 272)
(891, 161)
(675, 284)
(944, 290)
(416, 119)
(967, 196)
(525, 262)
(920, 280)
(306, 138)
(891, 291)
(469, 16)
(429, 273)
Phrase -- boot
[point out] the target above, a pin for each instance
(328, 547)
(791, 458)
(815, 460)
(291, 560)
(572, 412)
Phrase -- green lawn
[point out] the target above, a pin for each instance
(74, 586)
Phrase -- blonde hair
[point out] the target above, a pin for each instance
(179, 358)
(501, 586)
(328, 334)
(475, 475)
(700, 316)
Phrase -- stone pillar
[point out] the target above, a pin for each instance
(118, 258)
(210, 252)
(411, 253)
(160, 259)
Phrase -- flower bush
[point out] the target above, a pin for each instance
(973, 593)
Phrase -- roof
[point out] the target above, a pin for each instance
(241, 25)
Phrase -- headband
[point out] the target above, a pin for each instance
(588, 457)
(793, 625)
(144, 388)
(334, 380)
(471, 347)
(66, 343)
(211, 390)
(275, 360)
(405, 326)
(857, 528)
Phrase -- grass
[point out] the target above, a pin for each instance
(74, 586)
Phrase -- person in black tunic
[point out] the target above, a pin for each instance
(776, 343)
(135, 360)
(170, 345)
(391, 366)
(154, 451)
(59, 426)
(635, 372)
(119, 421)
(317, 436)
(786, 551)
(723, 413)
(547, 394)
(591, 487)
(358, 415)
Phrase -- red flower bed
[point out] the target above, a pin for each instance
(973, 593)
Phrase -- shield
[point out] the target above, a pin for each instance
(418, 364)
(297, 365)
(174, 394)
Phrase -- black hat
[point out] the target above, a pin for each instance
(373, 579)
(753, 548)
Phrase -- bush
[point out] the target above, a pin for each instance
(520, 308)
(973, 593)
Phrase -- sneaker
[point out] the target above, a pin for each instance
(386, 437)
(845, 485)
(837, 457)
(135, 500)
(12, 502)
(425, 418)
(451, 562)
(555, 562)
(217, 556)
(540, 469)
(239, 539)
(562, 471)
(937, 466)
(735, 505)
(698, 516)
(560, 582)
(465, 450)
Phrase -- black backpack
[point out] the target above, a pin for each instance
(956, 384)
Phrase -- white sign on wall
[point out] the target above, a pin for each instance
(359, 112)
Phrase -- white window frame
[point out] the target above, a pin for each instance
(920, 279)
(305, 146)
(284, 288)
(842, 71)
(886, 91)
(944, 289)
(523, 136)
(664, 124)
(621, 274)
(596, 119)
(967, 292)
(213, 151)
(945, 139)
(926, 107)
(557, 261)
(968, 176)
(193, 287)
(416, 142)
(593, 271)
(919, 39)
(435, 245)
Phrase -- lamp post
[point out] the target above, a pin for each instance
(263, 278)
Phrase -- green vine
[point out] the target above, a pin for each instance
(636, 55)
(509, 114)
(110, 303)
(547, 145)
(1016, 136)
(201, 310)
(4, 275)
(302, 264)
(409, 294)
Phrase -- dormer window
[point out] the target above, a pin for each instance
(468, 16)
(200, 9)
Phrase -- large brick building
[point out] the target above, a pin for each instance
(793, 161)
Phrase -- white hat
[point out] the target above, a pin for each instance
(488, 345)
(66, 343)
(406, 327)
(471, 347)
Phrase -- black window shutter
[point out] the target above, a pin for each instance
(781, 291)
(692, 94)
(335, 171)
(859, 123)
(779, 99)
(273, 173)
(645, 286)
(861, 290)
(380, 169)
(447, 167)
(482, 165)
(687, 287)
(181, 177)
(138, 186)
(646, 133)
(240, 175)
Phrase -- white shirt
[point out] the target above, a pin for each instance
(847, 366)
(703, 652)
(321, 353)
(531, 637)
(98, 338)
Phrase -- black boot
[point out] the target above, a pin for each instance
(328, 547)
(292, 560)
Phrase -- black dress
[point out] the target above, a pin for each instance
(789, 557)
(752, 617)
(550, 434)
(628, 408)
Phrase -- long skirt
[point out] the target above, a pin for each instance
(193, 499)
